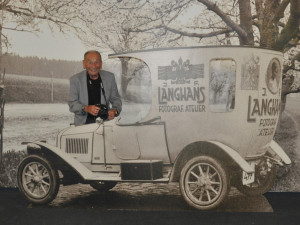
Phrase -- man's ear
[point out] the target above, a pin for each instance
(83, 64)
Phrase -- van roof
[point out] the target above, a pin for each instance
(190, 47)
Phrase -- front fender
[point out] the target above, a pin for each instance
(85, 173)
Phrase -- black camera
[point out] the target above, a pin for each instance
(103, 112)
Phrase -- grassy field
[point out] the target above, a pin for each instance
(35, 89)
(288, 137)
(27, 89)
(8, 168)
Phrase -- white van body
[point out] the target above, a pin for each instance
(212, 109)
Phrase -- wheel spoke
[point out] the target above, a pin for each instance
(31, 169)
(194, 191)
(201, 195)
(214, 182)
(192, 182)
(44, 182)
(28, 174)
(45, 176)
(201, 171)
(33, 188)
(211, 188)
(195, 175)
(28, 182)
(212, 176)
(208, 195)
(43, 189)
(36, 169)
(39, 189)
(207, 172)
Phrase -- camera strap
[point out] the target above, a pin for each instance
(103, 91)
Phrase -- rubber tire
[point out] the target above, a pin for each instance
(261, 189)
(53, 179)
(103, 186)
(223, 177)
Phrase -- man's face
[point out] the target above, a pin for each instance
(92, 63)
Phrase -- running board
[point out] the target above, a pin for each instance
(103, 176)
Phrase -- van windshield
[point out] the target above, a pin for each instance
(135, 88)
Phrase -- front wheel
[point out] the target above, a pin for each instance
(204, 183)
(38, 180)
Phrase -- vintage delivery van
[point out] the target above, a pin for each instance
(210, 124)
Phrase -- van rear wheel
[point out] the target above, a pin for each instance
(264, 179)
(204, 183)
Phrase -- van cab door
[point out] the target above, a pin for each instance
(145, 140)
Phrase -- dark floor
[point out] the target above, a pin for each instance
(14, 210)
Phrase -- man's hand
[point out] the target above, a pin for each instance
(112, 113)
(92, 109)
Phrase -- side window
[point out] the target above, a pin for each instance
(135, 88)
(222, 85)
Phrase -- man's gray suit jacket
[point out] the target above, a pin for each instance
(79, 98)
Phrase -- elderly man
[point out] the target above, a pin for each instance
(91, 88)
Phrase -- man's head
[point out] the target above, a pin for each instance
(92, 62)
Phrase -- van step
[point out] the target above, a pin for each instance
(141, 170)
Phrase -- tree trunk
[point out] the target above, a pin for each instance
(291, 28)
(1, 47)
(283, 102)
(246, 22)
(265, 19)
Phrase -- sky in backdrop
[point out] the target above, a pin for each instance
(56, 45)
(46, 44)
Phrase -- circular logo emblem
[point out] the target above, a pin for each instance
(273, 75)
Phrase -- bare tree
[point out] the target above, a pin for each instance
(27, 15)
(268, 23)
(273, 24)
(112, 25)
(140, 24)
(107, 27)
(217, 84)
(291, 75)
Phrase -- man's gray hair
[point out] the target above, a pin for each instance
(92, 51)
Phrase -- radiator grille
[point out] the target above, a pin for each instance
(77, 145)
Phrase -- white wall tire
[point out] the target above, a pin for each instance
(204, 183)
